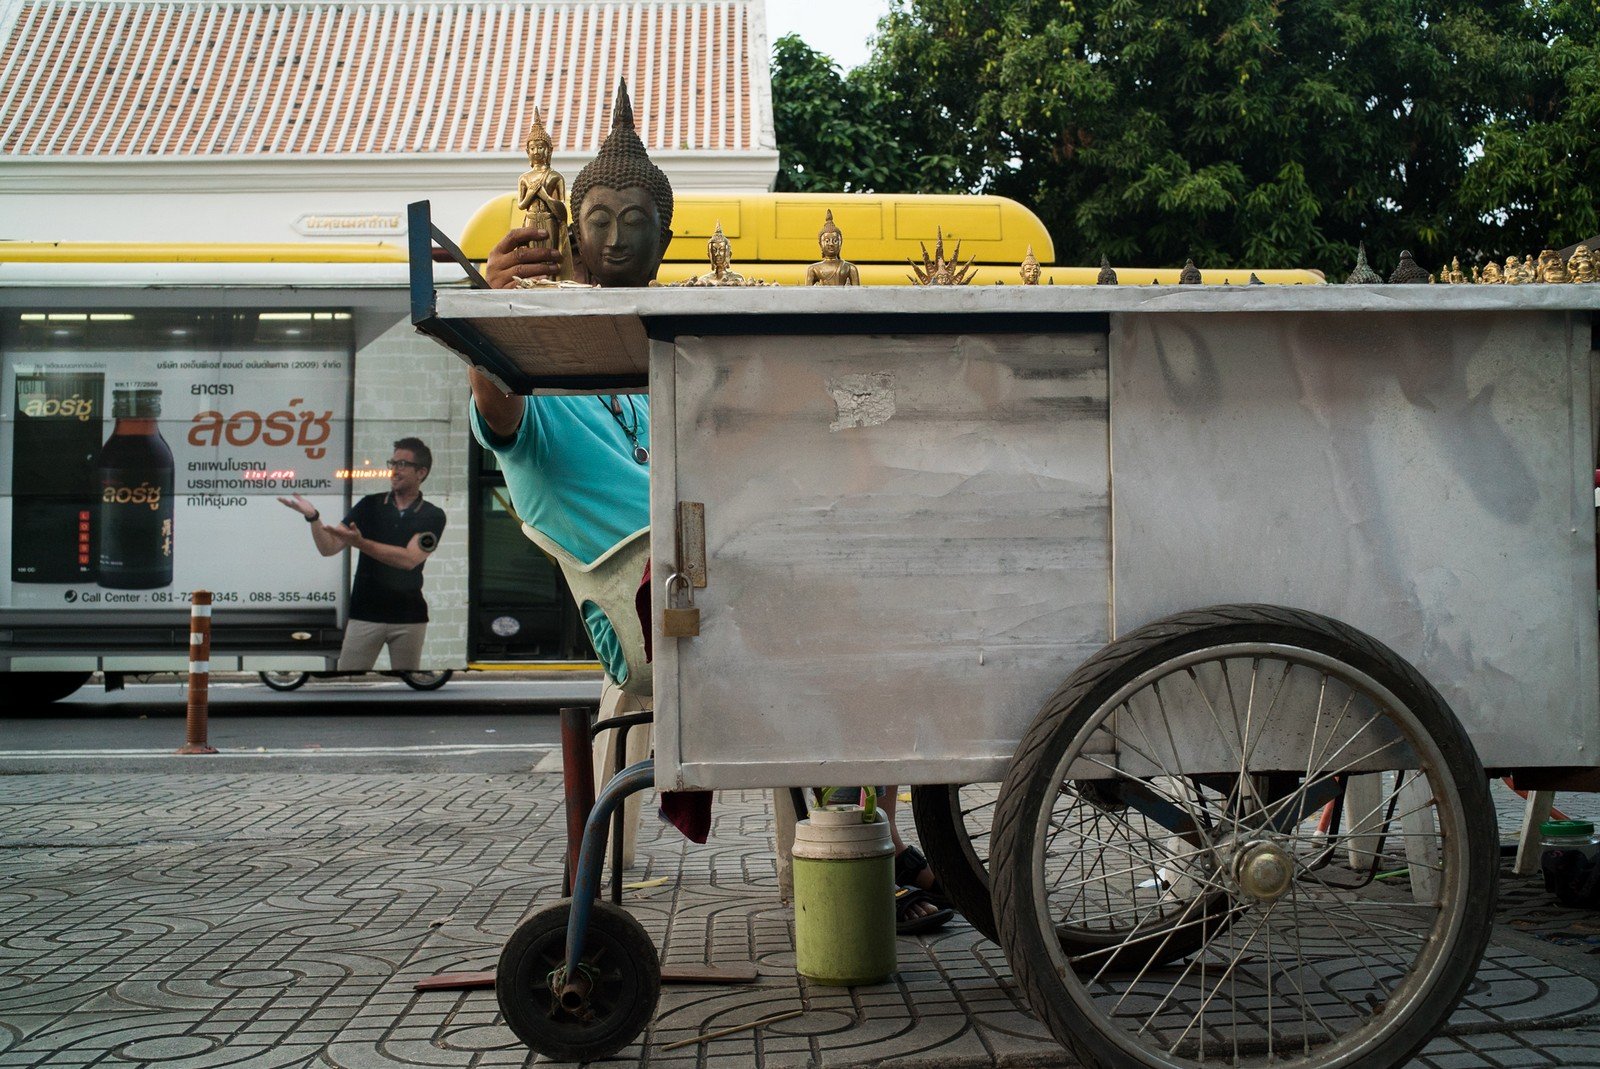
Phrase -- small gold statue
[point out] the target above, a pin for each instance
(937, 271)
(542, 196)
(1455, 276)
(1552, 269)
(1492, 275)
(1512, 272)
(1029, 269)
(720, 252)
(1582, 266)
(832, 270)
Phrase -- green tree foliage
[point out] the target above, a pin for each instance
(1268, 133)
(831, 132)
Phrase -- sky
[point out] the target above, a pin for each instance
(839, 28)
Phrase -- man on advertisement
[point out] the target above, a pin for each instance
(394, 533)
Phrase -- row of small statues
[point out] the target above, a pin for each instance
(1583, 266)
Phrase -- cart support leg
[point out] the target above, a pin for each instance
(1535, 813)
(577, 777)
(1422, 849)
(1363, 808)
(586, 872)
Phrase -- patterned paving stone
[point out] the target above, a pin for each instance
(267, 920)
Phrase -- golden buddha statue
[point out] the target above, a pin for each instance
(1030, 269)
(1492, 275)
(1513, 271)
(1552, 269)
(831, 270)
(1582, 266)
(542, 196)
(1456, 277)
(720, 252)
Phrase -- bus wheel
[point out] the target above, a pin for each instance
(29, 689)
(285, 680)
(426, 680)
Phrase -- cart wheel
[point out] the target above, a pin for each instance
(426, 680)
(285, 680)
(614, 999)
(953, 826)
(1213, 739)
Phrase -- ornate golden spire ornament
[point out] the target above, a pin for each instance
(1029, 269)
(1363, 274)
(1190, 276)
(1107, 277)
(936, 270)
(1406, 272)
(832, 269)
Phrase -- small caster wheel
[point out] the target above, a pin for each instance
(285, 680)
(612, 999)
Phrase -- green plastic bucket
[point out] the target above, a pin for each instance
(844, 931)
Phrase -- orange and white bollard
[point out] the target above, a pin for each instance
(199, 672)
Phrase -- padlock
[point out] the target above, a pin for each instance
(680, 623)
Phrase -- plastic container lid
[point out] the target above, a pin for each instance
(1566, 829)
(837, 833)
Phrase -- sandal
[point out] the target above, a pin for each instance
(908, 923)
(908, 865)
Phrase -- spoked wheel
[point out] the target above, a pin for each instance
(953, 822)
(426, 680)
(285, 680)
(608, 1004)
(1217, 738)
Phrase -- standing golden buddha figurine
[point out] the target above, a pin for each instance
(542, 196)
(1030, 269)
(832, 270)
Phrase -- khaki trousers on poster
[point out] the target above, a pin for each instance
(363, 639)
(613, 702)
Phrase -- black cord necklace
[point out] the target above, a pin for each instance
(641, 455)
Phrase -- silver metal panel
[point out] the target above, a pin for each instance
(908, 545)
(1424, 477)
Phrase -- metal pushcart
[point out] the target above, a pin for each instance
(1235, 592)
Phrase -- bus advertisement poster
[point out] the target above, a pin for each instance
(128, 479)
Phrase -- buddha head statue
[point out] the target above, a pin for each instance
(621, 206)
(1582, 265)
(719, 250)
(830, 239)
(1030, 269)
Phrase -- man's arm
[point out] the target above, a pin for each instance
(501, 412)
(406, 557)
(327, 542)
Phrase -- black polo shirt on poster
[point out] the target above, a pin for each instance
(381, 593)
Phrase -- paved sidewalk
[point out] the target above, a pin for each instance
(202, 919)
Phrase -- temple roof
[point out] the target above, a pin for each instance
(141, 79)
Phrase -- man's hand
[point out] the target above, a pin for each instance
(300, 505)
(513, 259)
(348, 534)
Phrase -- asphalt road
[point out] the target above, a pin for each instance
(477, 722)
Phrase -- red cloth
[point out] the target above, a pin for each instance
(688, 811)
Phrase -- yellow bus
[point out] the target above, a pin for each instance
(774, 238)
